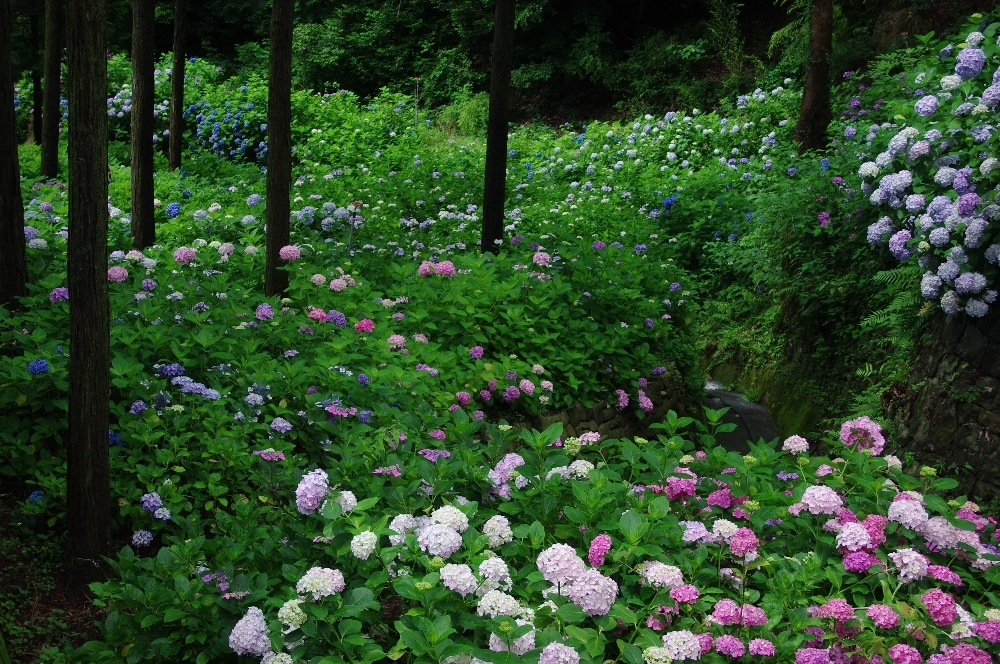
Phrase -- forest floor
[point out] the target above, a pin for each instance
(40, 614)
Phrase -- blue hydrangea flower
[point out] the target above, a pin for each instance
(38, 366)
(37, 496)
(115, 439)
(142, 538)
(173, 210)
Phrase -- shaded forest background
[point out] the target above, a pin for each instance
(573, 59)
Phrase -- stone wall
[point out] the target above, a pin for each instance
(666, 392)
(949, 412)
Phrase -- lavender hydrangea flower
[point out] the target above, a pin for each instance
(312, 488)
(897, 244)
(926, 106)
(970, 62)
(250, 635)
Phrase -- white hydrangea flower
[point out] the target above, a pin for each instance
(950, 82)
(347, 501)
(291, 615)
(496, 603)
(363, 545)
(402, 524)
(868, 170)
(452, 517)
(497, 528)
(724, 529)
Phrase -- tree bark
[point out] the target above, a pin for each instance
(13, 262)
(176, 139)
(815, 114)
(88, 492)
(51, 112)
(495, 185)
(36, 81)
(279, 144)
(143, 225)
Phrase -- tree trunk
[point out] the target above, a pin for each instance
(279, 144)
(13, 263)
(815, 114)
(88, 492)
(36, 81)
(51, 112)
(495, 186)
(176, 139)
(143, 228)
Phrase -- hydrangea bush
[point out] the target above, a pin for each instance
(656, 551)
(936, 176)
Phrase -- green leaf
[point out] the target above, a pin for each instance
(170, 615)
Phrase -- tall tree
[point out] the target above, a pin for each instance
(13, 263)
(815, 114)
(36, 80)
(88, 490)
(279, 143)
(495, 186)
(51, 113)
(175, 143)
(143, 225)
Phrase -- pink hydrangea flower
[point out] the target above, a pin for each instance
(761, 648)
(904, 654)
(476, 352)
(396, 341)
(426, 269)
(883, 616)
(117, 274)
(339, 284)
(941, 607)
(559, 564)
(860, 561)
(463, 398)
(863, 433)
(988, 631)
(541, 259)
(727, 644)
(622, 399)
(289, 253)
(546, 385)
(752, 616)
(824, 470)
(593, 592)
(527, 386)
(599, 547)
(679, 488)
(184, 255)
(943, 573)
(644, 402)
(795, 445)
(819, 499)
(445, 269)
(686, 594)
(317, 315)
(365, 325)
(744, 541)
(812, 656)
(726, 612)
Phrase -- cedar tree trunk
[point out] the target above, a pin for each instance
(143, 228)
(13, 264)
(495, 186)
(176, 139)
(815, 115)
(51, 112)
(279, 144)
(88, 492)
(36, 81)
